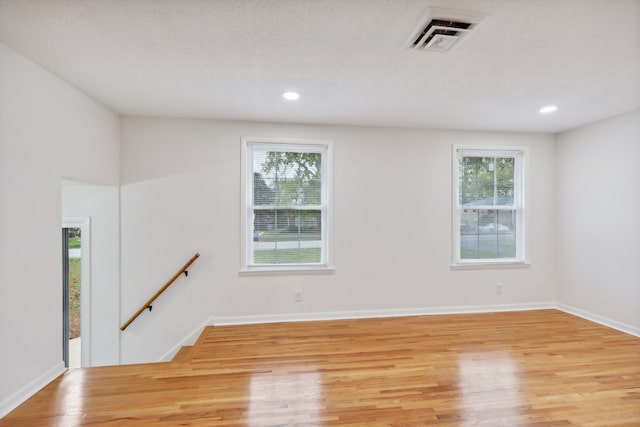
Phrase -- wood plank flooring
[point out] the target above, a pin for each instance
(535, 368)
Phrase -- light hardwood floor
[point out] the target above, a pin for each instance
(535, 368)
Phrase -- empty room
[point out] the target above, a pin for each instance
(320, 212)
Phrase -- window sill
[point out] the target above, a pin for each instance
(276, 271)
(490, 265)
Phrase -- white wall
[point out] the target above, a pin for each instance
(48, 130)
(101, 204)
(598, 205)
(180, 194)
(392, 233)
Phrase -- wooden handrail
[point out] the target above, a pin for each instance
(160, 291)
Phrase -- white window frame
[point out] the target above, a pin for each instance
(520, 188)
(324, 147)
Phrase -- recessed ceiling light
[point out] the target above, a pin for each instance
(548, 109)
(291, 96)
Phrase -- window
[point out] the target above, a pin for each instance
(286, 204)
(488, 205)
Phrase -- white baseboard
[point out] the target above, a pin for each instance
(189, 340)
(614, 324)
(363, 314)
(24, 393)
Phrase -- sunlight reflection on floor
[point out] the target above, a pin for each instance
(297, 394)
(488, 382)
(72, 397)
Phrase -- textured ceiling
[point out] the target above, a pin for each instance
(348, 59)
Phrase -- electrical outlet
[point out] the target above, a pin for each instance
(499, 289)
(297, 296)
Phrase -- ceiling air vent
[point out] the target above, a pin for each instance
(444, 29)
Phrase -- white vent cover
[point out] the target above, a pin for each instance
(444, 29)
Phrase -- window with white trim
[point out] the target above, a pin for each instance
(488, 205)
(286, 204)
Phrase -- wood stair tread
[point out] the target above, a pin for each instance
(184, 355)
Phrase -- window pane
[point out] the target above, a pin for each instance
(286, 236)
(476, 180)
(487, 234)
(486, 181)
(504, 180)
(287, 178)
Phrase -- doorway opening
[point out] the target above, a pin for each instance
(74, 239)
(75, 245)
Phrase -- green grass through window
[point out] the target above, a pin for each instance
(287, 256)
